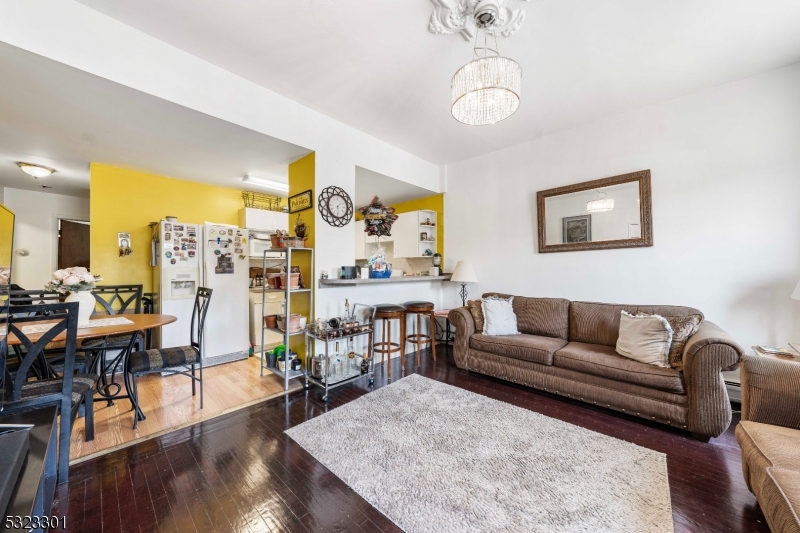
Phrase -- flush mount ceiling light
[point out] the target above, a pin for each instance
(266, 183)
(37, 171)
(488, 88)
(600, 205)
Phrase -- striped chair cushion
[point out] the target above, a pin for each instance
(82, 384)
(162, 358)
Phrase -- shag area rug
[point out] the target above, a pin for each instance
(437, 458)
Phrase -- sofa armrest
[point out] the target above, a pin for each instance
(462, 319)
(771, 391)
(707, 353)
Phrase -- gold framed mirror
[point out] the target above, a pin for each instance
(613, 212)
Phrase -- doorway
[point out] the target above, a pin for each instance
(73, 244)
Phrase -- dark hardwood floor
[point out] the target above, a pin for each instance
(241, 473)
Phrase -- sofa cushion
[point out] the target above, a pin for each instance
(598, 323)
(771, 463)
(548, 317)
(780, 500)
(476, 310)
(534, 348)
(603, 361)
(765, 446)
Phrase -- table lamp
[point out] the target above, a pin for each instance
(464, 273)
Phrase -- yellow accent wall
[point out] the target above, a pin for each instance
(430, 203)
(302, 174)
(127, 200)
(6, 240)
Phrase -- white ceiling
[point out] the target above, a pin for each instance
(389, 190)
(65, 118)
(373, 64)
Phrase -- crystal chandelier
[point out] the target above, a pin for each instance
(600, 205)
(487, 89)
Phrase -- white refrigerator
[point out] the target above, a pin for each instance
(176, 277)
(226, 271)
(192, 256)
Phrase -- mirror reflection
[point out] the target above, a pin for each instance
(604, 214)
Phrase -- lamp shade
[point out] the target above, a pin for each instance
(464, 273)
(795, 294)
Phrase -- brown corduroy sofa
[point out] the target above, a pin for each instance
(568, 348)
(769, 435)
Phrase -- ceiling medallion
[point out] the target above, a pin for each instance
(464, 17)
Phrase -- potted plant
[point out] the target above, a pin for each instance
(78, 282)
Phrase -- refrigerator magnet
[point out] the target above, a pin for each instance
(238, 250)
(172, 261)
(217, 252)
(213, 231)
(167, 227)
(168, 254)
(167, 236)
(230, 232)
(176, 248)
(177, 228)
(191, 253)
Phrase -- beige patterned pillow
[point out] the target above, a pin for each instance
(644, 338)
(683, 327)
(476, 310)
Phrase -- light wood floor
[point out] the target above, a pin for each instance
(168, 404)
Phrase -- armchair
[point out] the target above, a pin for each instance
(769, 436)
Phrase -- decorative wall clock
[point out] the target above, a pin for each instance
(335, 206)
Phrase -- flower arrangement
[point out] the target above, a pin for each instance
(73, 279)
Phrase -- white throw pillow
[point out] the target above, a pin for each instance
(498, 316)
(645, 338)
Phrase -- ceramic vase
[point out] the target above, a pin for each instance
(86, 302)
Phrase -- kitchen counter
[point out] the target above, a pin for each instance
(329, 283)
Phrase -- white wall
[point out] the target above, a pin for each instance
(36, 230)
(76, 35)
(726, 185)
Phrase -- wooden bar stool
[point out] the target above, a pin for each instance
(418, 338)
(386, 313)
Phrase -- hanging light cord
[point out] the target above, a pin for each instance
(485, 48)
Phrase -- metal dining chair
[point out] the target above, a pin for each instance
(52, 357)
(112, 300)
(176, 360)
(67, 392)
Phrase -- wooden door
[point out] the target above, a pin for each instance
(73, 244)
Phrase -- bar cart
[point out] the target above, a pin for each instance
(285, 259)
(331, 371)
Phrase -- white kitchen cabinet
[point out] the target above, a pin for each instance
(404, 235)
(361, 246)
(251, 218)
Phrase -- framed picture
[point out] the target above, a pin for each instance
(577, 229)
(423, 236)
(301, 202)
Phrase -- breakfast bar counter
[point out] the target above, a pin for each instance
(329, 283)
